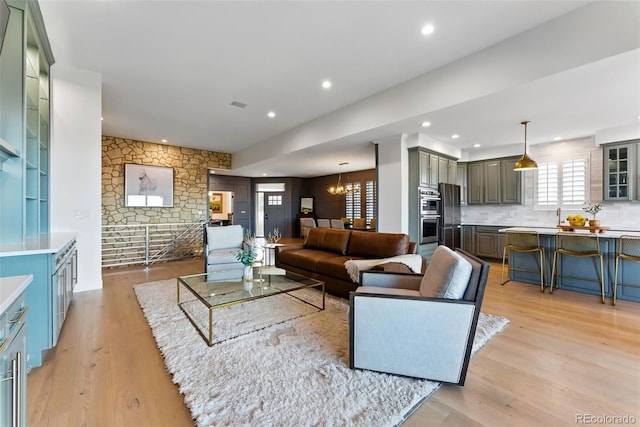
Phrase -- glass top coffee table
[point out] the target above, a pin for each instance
(217, 290)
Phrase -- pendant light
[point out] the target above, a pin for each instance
(525, 163)
(339, 189)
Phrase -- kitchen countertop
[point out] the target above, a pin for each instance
(45, 244)
(11, 288)
(609, 234)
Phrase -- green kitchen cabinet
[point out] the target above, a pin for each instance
(494, 182)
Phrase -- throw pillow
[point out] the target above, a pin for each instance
(447, 275)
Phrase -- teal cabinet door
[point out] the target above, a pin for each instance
(14, 357)
(39, 334)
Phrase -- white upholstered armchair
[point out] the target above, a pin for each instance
(419, 326)
(220, 246)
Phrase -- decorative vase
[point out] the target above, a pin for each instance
(247, 274)
(594, 222)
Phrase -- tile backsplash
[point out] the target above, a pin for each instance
(617, 216)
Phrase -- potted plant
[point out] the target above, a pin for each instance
(593, 209)
(247, 257)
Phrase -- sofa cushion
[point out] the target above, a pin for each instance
(306, 259)
(328, 239)
(447, 275)
(334, 267)
(370, 244)
(225, 237)
(222, 256)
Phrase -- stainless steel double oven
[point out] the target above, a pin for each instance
(429, 214)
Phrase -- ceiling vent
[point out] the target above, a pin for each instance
(238, 104)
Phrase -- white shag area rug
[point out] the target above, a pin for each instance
(295, 372)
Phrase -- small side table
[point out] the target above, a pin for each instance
(270, 253)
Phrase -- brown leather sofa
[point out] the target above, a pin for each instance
(324, 252)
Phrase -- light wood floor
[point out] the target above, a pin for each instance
(562, 355)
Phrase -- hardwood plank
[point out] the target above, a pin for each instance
(563, 354)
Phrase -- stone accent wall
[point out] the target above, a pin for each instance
(190, 168)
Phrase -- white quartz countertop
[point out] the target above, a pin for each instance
(11, 288)
(45, 244)
(609, 234)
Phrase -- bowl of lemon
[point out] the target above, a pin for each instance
(577, 220)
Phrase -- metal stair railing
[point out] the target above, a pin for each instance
(150, 243)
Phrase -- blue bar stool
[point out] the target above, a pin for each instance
(629, 250)
(577, 245)
(523, 241)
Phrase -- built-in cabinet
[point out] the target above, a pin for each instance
(461, 180)
(484, 241)
(489, 243)
(620, 174)
(52, 261)
(24, 124)
(426, 169)
(13, 350)
(493, 182)
(64, 279)
(468, 238)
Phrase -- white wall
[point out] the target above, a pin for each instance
(76, 167)
(393, 185)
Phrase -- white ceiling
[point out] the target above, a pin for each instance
(170, 70)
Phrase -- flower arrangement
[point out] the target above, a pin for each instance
(594, 208)
(246, 256)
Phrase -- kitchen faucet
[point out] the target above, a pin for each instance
(559, 215)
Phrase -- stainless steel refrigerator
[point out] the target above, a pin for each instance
(449, 226)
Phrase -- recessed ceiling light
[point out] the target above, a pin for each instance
(557, 138)
(164, 140)
(427, 29)
(326, 84)
(476, 145)
(264, 174)
(455, 136)
(102, 118)
(271, 114)
(426, 124)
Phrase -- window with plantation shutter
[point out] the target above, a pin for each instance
(574, 182)
(353, 200)
(562, 183)
(547, 184)
(370, 200)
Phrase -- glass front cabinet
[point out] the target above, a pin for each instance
(620, 166)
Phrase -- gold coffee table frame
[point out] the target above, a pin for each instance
(215, 292)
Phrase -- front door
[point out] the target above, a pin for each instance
(273, 212)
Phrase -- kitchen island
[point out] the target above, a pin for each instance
(574, 267)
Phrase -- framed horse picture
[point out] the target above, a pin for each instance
(149, 186)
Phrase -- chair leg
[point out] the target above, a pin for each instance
(504, 254)
(602, 278)
(615, 282)
(553, 272)
(542, 270)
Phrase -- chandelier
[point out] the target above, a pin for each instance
(339, 189)
(525, 163)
